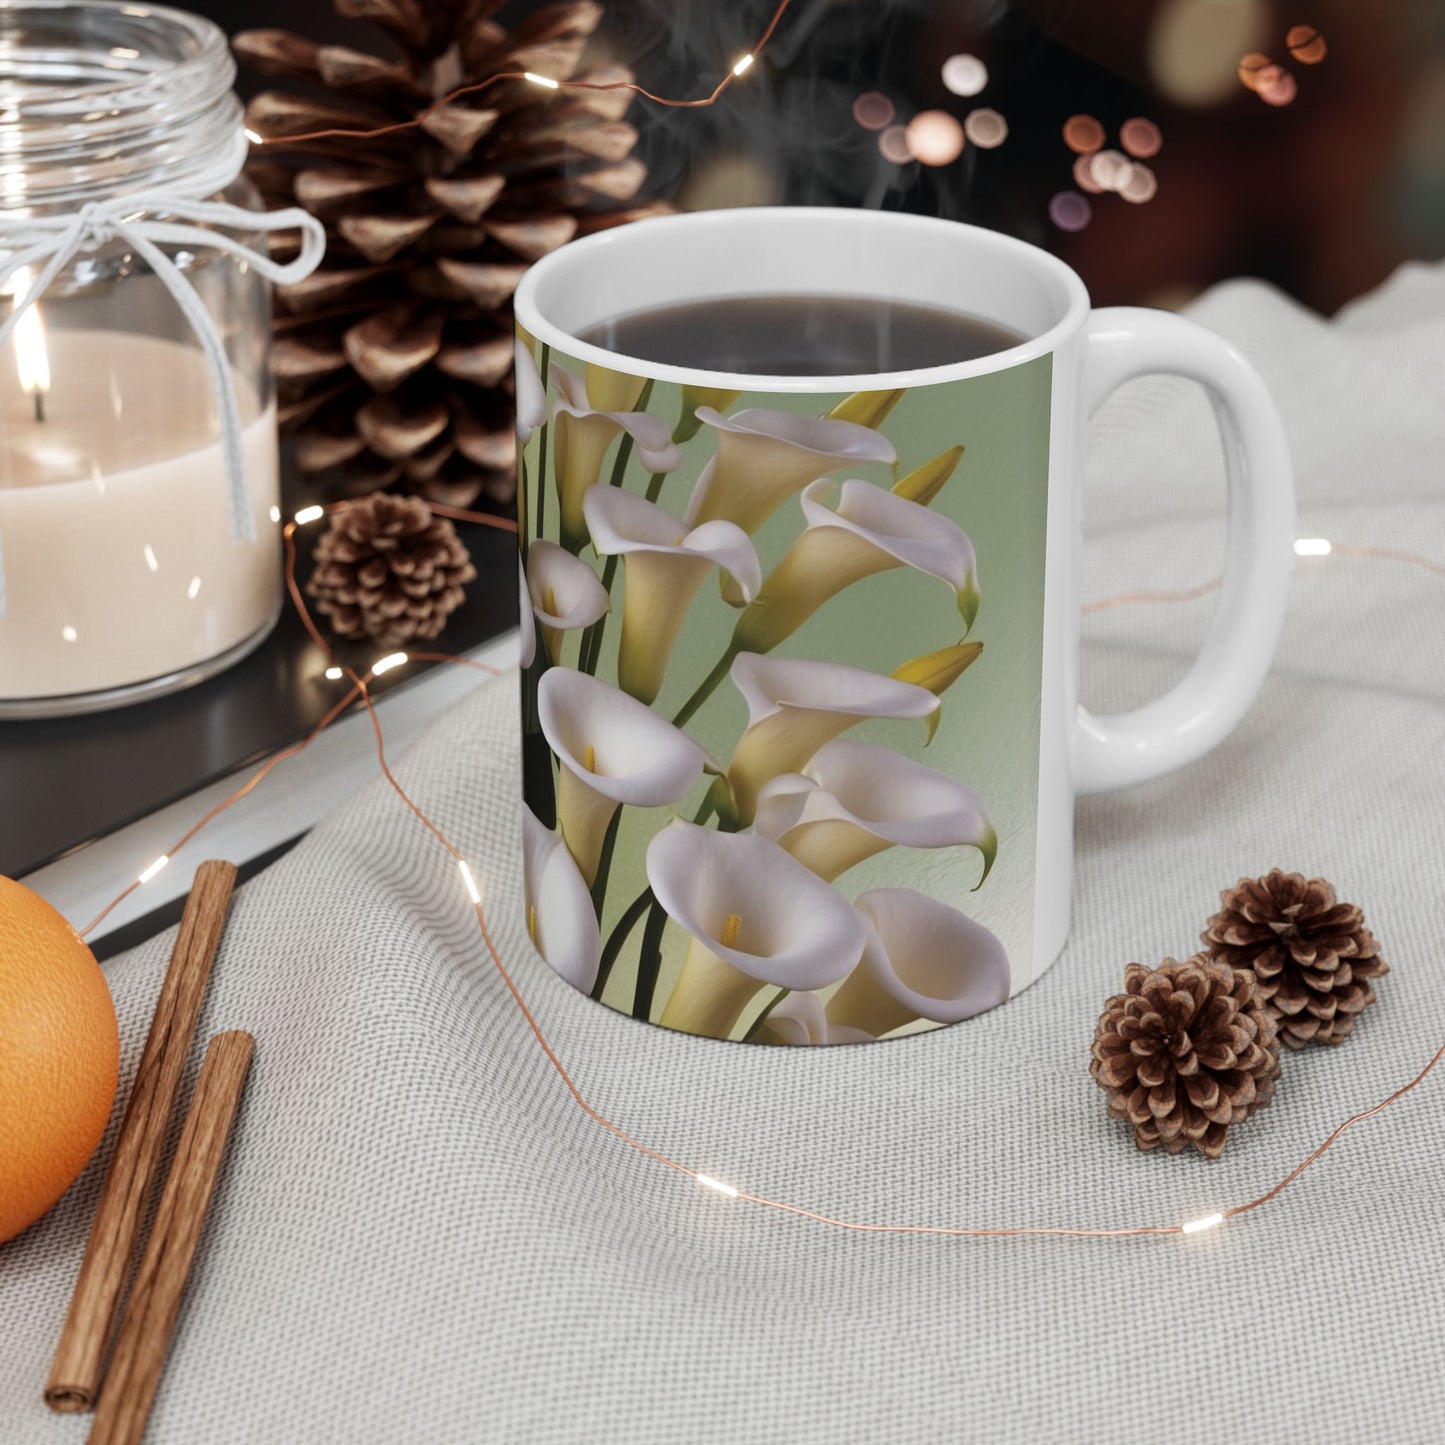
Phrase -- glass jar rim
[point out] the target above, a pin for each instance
(99, 98)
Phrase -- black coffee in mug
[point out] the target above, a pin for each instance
(801, 335)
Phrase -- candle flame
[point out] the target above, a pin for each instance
(32, 361)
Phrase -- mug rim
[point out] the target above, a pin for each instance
(588, 249)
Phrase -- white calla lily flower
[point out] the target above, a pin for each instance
(584, 432)
(612, 750)
(800, 1019)
(664, 564)
(560, 917)
(794, 707)
(924, 960)
(870, 530)
(531, 395)
(525, 623)
(756, 916)
(563, 592)
(763, 457)
(854, 799)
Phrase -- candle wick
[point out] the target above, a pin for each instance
(39, 404)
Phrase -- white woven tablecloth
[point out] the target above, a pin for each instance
(419, 1237)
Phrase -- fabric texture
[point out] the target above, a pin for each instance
(419, 1237)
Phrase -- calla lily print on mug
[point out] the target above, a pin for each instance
(775, 808)
(853, 800)
(663, 566)
(611, 750)
(754, 916)
(587, 418)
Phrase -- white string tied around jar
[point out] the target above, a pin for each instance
(52, 242)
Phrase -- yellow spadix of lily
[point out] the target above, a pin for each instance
(871, 530)
(938, 671)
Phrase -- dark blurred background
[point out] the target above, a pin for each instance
(1320, 170)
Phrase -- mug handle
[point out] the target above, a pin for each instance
(1123, 342)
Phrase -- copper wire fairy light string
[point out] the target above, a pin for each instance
(360, 690)
(740, 67)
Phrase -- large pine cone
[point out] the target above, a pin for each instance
(1185, 1051)
(387, 569)
(393, 361)
(1313, 956)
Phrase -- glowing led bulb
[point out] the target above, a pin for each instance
(708, 1182)
(1312, 547)
(385, 664)
(309, 514)
(1197, 1226)
(744, 61)
(469, 880)
(149, 873)
(545, 80)
(332, 674)
(256, 140)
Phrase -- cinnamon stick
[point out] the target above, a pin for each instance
(155, 1298)
(79, 1362)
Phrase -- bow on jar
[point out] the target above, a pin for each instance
(52, 242)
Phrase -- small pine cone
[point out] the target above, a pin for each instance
(1184, 1052)
(388, 570)
(1313, 957)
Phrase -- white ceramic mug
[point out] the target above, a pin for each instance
(796, 801)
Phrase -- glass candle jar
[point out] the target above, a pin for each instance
(129, 571)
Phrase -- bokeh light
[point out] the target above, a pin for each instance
(1194, 46)
(1110, 169)
(1083, 134)
(1306, 44)
(1070, 211)
(965, 74)
(1279, 89)
(894, 145)
(1140, 137)
(985, 128)
(873, 110)
(1141, 185)
(935, 137)
(1084, 175)
(1252, 67)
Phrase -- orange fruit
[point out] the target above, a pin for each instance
(59, 1056)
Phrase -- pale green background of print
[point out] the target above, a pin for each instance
(989, 733)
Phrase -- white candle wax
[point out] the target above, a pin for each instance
(119, 562)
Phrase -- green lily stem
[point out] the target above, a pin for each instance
(706, 688)
(649, 963)
(590, 649)
(704, 809)
(618, 937)
(604, 864)
(762, 1018)
(541, 515)
(654, 485)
